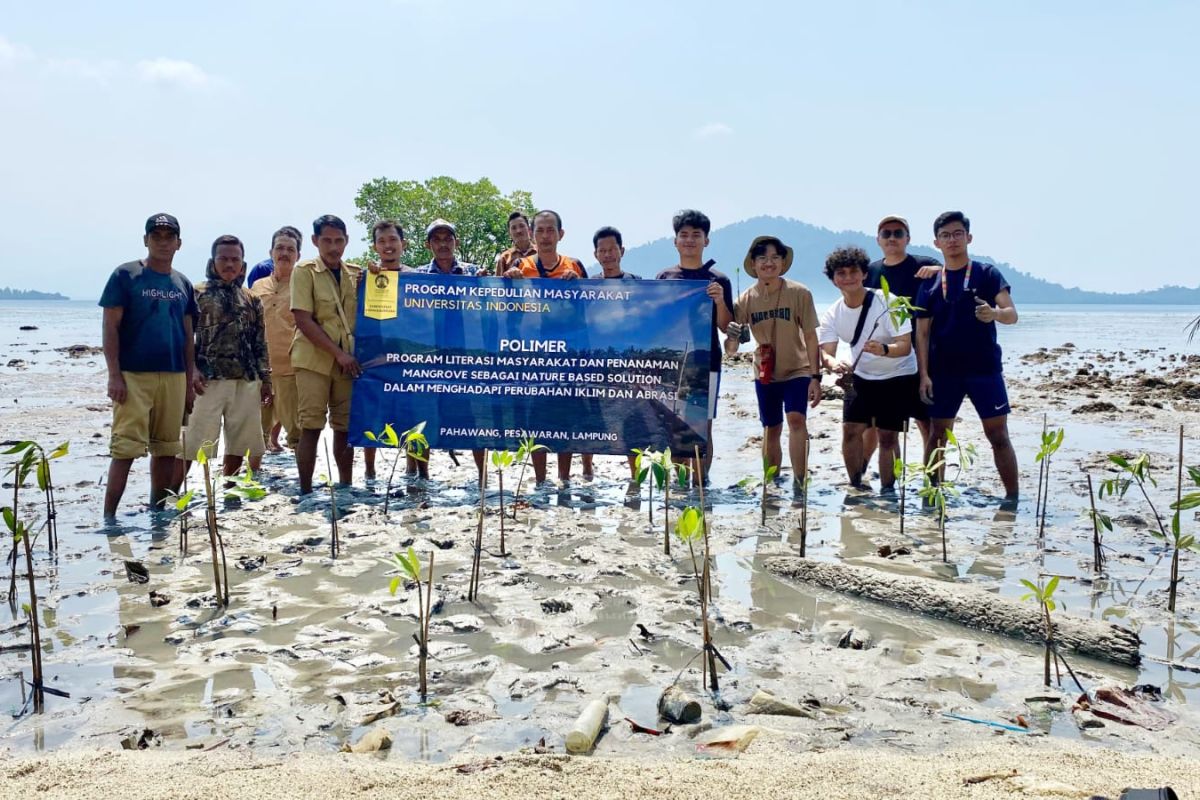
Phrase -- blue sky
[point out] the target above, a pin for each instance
(1065, 130)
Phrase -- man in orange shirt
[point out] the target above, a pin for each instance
(548, 263)
(522, 244)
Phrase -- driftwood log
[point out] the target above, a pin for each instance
(968, 606)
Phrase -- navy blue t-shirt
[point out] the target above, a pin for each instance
(152, 333)
(261, 270)
(902, 278)
(959, 344)
(705, 273)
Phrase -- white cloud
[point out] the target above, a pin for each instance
(712, 130)
(12, 51)
(173, 72)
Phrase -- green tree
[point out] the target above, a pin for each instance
(477, 209)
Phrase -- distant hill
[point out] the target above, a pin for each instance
(813, 244)
(29, 294)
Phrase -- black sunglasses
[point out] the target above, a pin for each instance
(893, 234)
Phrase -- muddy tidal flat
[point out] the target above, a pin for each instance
(313, 654)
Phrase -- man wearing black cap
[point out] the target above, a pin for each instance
(149, 317)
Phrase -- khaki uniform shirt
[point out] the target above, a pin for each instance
(314, 289)
(511, 258)
(780, 318)
(276, 297)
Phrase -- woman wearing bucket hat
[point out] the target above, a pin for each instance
(782, 319)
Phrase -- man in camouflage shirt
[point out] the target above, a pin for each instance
(232, 378)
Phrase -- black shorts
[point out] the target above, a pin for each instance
(886, 403)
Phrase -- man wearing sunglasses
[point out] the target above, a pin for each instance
(957, 352)
(904, 274)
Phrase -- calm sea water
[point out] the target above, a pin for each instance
(1116, 327)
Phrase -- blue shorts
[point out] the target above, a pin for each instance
(987, 394)
(776, 398)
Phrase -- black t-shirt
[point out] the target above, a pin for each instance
(902, 278)
(708, 274)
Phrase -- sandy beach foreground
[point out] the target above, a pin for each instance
(1004, 768)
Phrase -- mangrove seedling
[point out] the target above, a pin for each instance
(412, 444)
(689, 527)
(1132, 472)
(1044, 594)
(45, 482)
(769, 472)
(1178, 540)
(678, 474)
(21, 535)
(649, 464)
(411, 566)
(19, 470)
(502, 460)
(183, 505)
(1099, 520)
(527, 447)
(215, 541)
(899, 309)
(1051, 441)
(936, 487)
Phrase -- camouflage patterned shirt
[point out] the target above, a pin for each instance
(230, 334)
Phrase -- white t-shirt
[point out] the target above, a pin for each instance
(838, 324)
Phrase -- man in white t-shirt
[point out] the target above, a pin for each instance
(884, 368)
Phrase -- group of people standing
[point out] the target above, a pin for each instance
(894, 372)
(277, 355)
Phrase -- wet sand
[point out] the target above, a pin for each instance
(312, 648)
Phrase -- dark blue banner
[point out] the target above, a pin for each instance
(586, 366)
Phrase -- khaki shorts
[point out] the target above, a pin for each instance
(284, 406)
(232, 405)
(151, 415)
(316, 394)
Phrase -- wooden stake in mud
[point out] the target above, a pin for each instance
(214, 536)
(1175, 526)
(426, 613)
(1038, 515)
(669, 465)
(183, 523)
(1097, 551)
(473, 584)
(35, 633)
(903, 471)
(710, 657)
(334, 545)
(500, 479)
(804, 505)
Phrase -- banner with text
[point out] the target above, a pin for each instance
(582, 366)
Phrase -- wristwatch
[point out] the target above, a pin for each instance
(885, 349)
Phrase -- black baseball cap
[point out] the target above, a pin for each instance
(162, 221)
